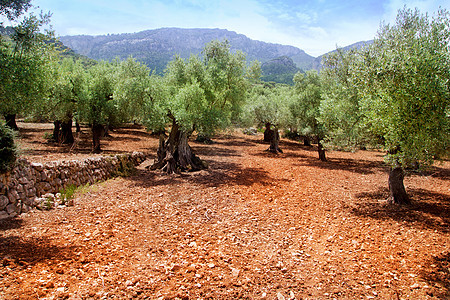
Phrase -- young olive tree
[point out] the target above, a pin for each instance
(406, 80)
(201, 94)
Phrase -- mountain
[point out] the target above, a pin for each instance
(317, 64)
(280, 70)
(156, 48)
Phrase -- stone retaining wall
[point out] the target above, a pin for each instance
(23, 188)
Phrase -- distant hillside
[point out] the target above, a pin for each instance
(317, 64)
(157, 47)
(280, 70)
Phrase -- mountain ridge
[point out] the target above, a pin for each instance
(157, 46)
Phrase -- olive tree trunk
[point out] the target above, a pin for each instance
(66, 132)
(10, 120)
(174, 155)
(397, 189)
(274, 141)
(321, 151)
(56, 136)
(268, 133)
(97, 133)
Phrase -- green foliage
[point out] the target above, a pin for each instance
(341, 111)
(267, 105)
(8, 150)
(201, 94)
(305, 108)
(131, 90)
(68, 193)
(405, 78)
(14, 8)
(24, 57)
(98, 107)
(67, 88)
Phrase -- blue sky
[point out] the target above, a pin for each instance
(314, 26)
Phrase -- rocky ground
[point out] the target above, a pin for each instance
(253, 226)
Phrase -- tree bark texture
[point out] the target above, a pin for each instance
(397, 189)
(274, 141)
(97, 133)
(10, 120)
(56, 131)
(66, 132)
(321, 151)
(174, 155)
(268, 133)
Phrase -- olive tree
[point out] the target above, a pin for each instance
(67, 90)
(98, 108)
(406, 80)
(268, 106)
(24, 58)
(201, 94)
(131, 90)
(342, 114)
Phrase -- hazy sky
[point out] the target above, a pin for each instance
(314, 26)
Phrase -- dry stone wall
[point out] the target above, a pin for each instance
(30, 184)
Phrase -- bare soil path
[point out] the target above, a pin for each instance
(253, 226)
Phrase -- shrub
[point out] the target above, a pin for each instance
(8, 149)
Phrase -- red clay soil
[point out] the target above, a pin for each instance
(254, 225)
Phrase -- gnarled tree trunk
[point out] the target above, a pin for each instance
(10, 120)
(321, 151)
(397, 189)
(174, 155)
(274, 141)
(66, 132)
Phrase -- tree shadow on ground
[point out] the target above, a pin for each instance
(19, 252)
(122, 139)
(131, 132)
(436, 172)
(217, 174)
(428, 210)
(358, 166)
(12, 223)
(26, 133)
(221, 173)
(210, 150)
(437, 274)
